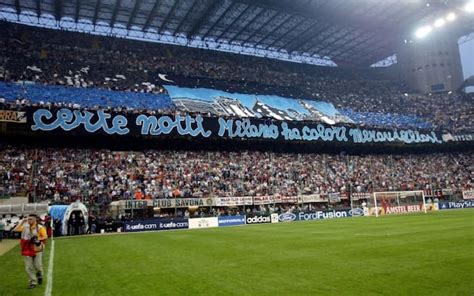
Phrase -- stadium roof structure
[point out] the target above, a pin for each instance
(355, 33)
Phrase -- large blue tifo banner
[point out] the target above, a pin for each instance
(223, 103)
(446, 205)
(231, 220)
(156, 224)
(67, 121)
(318, 215)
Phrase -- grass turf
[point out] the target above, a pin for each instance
(393, 255)
(6, 245)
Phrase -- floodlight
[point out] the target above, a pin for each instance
(469, 7)
(423, 31)
(451, 16)
(439, 22)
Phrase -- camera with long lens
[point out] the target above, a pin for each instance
(35, 241)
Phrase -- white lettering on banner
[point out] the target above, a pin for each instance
(151, 125)
(395, 210)
(310, 198)
(219, 201)
(259, 219)
(403, 209)
(232, 221)
(263, 200)
(69, 120)
(330, 215)
(456, 205)
(140, 226)
(461, 204)
(233, 201)
(173, 225)
(322, 215)
(468, 194)
(405, 136)
(457, 138)
(92, 122)
(245, 129)
(414, 209)
(360, 195)
(288, 199)
(325, 134)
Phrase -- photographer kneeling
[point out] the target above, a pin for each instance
(33, 238)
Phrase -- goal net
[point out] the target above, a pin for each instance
(398, 202)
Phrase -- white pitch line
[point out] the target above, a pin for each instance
(49, 278)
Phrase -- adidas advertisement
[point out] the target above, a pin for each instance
(258, 219)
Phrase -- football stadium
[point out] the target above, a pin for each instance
(236, 147)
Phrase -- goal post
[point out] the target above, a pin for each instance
(399, 202)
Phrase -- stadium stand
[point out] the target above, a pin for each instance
(103, 175)
(316, 147)
(55, 69)
(69, 61)
(90, 98)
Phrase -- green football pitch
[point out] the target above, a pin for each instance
(430, 254)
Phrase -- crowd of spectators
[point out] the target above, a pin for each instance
(82, 60)
(131, 73)
(101, 176)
